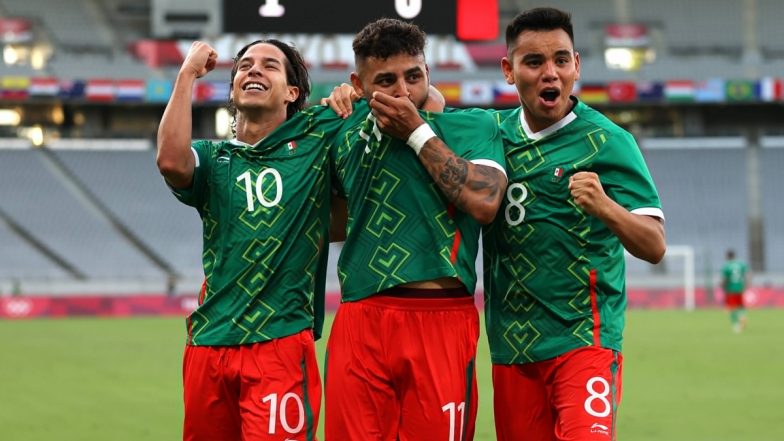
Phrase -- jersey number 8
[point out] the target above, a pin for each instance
(515, 204)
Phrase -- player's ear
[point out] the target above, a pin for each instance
(357, 83)
(507, 70)
(577, 65)
(293, 94)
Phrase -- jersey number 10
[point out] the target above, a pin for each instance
(249, 187)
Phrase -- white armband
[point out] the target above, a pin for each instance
(420, 136)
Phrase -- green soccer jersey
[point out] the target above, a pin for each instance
(734, 276)
(265, 213)
(554, 276)
(401, 228)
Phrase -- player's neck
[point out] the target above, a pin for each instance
(255, 126)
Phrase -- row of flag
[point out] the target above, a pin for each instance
(14, 88)
(715, 90)
(469, 92)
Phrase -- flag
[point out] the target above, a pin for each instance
(557, 174)
(709, 91)
(211, 91)
(593, 94)
(771, 89)
(44, 87)
(679, 90)
(14, 87)
(451, 92)
(650, 91)
(72, 89)
(505, 94)
(291, 146)
(158, 90)
(622, 91)
(129, 90)
(740, 90)
(99, 90)
(476, 92)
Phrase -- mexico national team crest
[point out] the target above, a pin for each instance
(558, 173)
(291, 146)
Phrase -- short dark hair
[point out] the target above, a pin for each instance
(386, 37)
(296, 75)
(539, 19)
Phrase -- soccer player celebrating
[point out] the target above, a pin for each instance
(401, 352)
(555, 296)
(249, 369)
(734, 275)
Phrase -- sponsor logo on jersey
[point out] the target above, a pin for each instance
(600, 428)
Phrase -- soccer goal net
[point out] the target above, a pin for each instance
(668, 284)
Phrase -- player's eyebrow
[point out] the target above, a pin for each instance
(413, 70)
(264, 60)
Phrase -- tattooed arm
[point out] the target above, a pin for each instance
(473, 188)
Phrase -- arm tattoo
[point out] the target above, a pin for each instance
(453, 176)
(487, 179)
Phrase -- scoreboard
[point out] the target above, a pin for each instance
(465, 19)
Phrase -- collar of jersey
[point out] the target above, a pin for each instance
(571, 116)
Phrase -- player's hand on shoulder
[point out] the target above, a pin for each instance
(341, 100)
(587, 192)
(201, 59)
(397, 117)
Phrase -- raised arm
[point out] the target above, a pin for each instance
(472, 188)
(642, 236)
(175, 159)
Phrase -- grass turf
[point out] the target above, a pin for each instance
(687, 377)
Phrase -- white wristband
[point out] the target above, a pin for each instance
(420, 136)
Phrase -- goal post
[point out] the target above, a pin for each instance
(677, 270)
(687, 253)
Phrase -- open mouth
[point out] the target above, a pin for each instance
(549, 95)
(254, 86)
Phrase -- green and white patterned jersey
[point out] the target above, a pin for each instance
(733, 275)
(265, 213)
(401, 228)
(555, 276)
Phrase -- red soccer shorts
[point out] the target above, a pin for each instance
(263, 391)
(572, 397)
(402, 369)
(733, 300)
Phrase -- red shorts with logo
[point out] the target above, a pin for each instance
(263, 391)
(573, 397)
(733, 301)
(402, 369)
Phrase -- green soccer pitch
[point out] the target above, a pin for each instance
(687, 377)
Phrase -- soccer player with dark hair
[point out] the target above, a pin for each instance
(249, 368)
(734, 277)
(401, 352)
(555, 292)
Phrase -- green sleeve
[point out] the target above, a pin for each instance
(196, 194)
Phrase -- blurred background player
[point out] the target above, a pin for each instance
(579, 193)
(401, 352)
(734, 278)
(263, 199)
